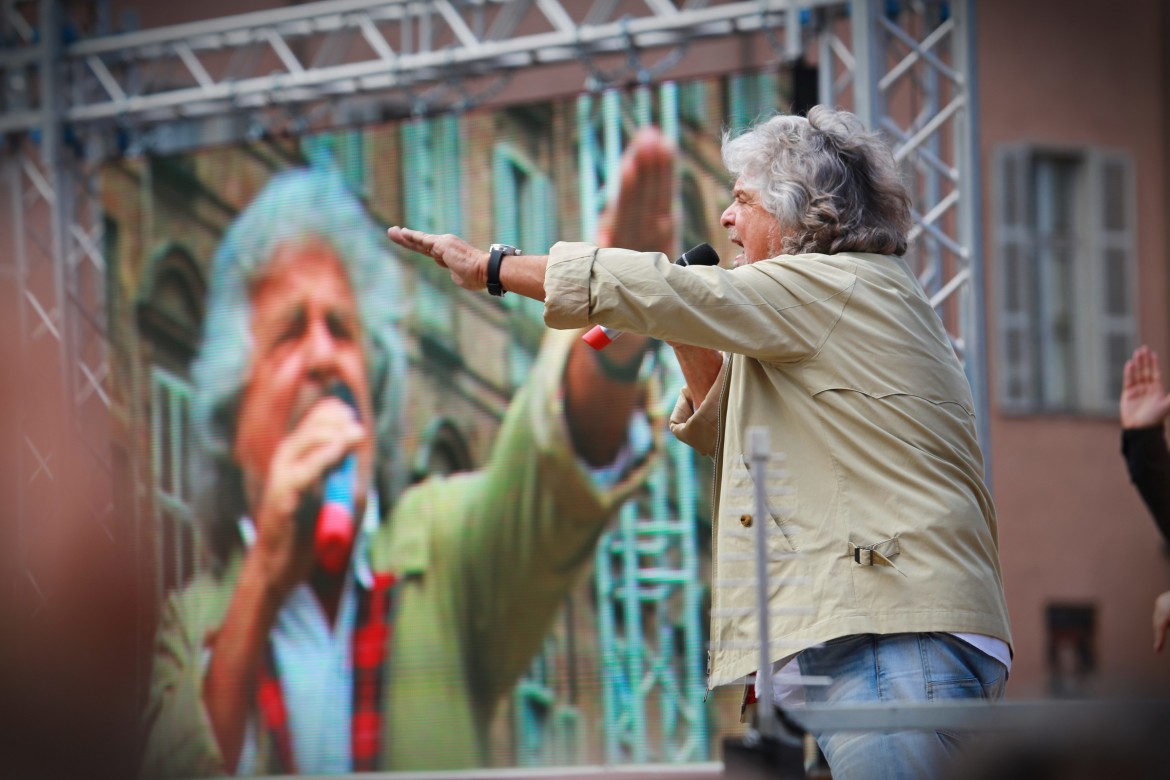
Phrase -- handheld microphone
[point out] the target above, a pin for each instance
(334, 534)
(599, 337)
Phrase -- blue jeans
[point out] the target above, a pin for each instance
(897, 668)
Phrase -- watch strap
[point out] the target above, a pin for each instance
(496, 257)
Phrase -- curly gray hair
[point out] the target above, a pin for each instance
(833, 185)
(295, 206)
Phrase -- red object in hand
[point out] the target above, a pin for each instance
(334, 537)
(600, 337)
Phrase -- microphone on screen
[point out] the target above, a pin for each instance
(334, 533)
(600, 337)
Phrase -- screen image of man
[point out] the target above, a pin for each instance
(277, 663)
(822, 335)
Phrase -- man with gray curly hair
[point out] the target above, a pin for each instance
(821, 334)
(393, 654)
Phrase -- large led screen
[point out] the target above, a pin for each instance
(391, 524)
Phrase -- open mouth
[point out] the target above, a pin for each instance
(741, 257)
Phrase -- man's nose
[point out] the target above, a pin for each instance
(319, 345)
(727, 219)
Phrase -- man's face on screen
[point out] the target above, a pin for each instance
(306, 335)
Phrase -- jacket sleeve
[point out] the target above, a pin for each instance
(179, 740)
(509, 542)
(779, 310)
(1148, 461)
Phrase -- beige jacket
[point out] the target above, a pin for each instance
(845, 362)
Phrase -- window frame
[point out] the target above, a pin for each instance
(1020, 365)
(432, 171)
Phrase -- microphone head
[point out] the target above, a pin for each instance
(703, 254)
(341, 390)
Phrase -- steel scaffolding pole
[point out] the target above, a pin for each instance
(647, 570)
(912, 75)
(58, 280)
(973, 323)
(198, 69)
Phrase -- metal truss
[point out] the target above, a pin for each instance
(326, 51)
(57, 274)
(649, 601)
(910, 73)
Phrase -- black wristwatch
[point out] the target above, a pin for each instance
(495, 259)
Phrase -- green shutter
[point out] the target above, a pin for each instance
(1016, 293)
(431, 174)
(505, 197)
(1113, 275)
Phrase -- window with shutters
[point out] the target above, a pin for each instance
(750, 98)
(525, 216)
(178, 538)
(692, 102)
(1072, 649)
(169, 314)
(431, 174)
(433, 203)
(1066, 271)
(343, 150)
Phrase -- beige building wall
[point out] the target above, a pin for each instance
(1072, 529)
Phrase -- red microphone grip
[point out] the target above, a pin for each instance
(333, 540)
(600, 337)
(335, 531)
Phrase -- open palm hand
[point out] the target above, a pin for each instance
(1144, 400)
(641, 217)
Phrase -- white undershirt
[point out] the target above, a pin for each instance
(316, 666)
